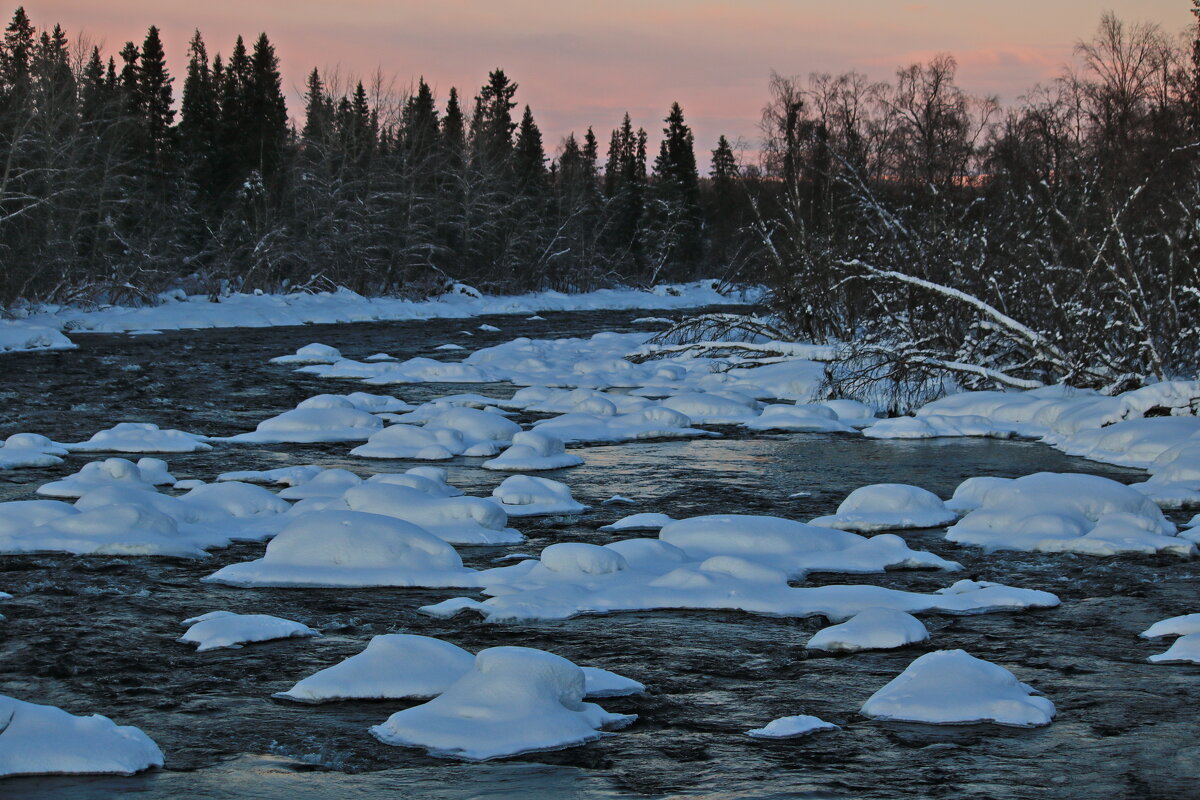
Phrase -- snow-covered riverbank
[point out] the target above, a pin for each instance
(47, 329)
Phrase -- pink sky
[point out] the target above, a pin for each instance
(580, 63)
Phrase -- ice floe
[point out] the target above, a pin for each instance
(888, 506)
(225, 629)
(145, 474)
(315, 353)
(1183, 625)
(46, 740)
(1184, 650)
(325, 418)
(871, 629)
(951, 687)
(513, 700)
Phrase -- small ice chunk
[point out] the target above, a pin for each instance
(888, 506)
(792, 727)
(530, 496)
(141, 437)
(640, 522)
(618, 499)
(489, 328)
(30, 450)
(532, 451)
(1185, 650)
(311, 354)
(1183, 625)
(224, 629)
(449, 346)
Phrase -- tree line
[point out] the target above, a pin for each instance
(112, 192)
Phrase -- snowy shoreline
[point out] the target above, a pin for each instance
(46, 329)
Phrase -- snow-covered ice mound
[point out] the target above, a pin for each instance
(1184, 650)
(647, 521)
(427, 370)
(402, 665)
(326, 483)
(457, 520)
(792, 727)
(109, 529)
(951, 687)
(430, 480)
(30, 450)
(220, 629)
(45, 740)
(655, 422)
(705, 408)
(888, 506)
(852, 412)
(327, 418)
(1067, 512)
(533, 451)
(969, 494)
(392, 667)
(793, 547)
(1175, 476)
(311, 354)
(1183, 625)
(351, 548)
(804, 418)
(483, 432)
(145, 474)
(514, 700)
(872, 629)
(933, 426)
(530, 496)
(411, 442)
(141, 437)
(19, 335)
(1132, 442)
(281, 476)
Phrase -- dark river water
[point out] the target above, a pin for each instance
(98, 634)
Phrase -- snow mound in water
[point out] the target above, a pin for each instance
(402, 665)
(1175, 476)
(888, 506)
(45, 740)
(18, 335)
(430, 480)
(145, 474)
(970, 493)
(532, 451)
(1067, 512)
(351, 548)
(411, 442)
(647, 521)
(950, 687)
(392, 667)
(1183, 625)
(932, 426)
(513, 700)
(327, 418)
(793, 547)
(655, 422)
(311, 354)
(483, 432)
(1185, 650)
(428, 370)
(705, 408)
(1132, 442)
(377, 403)
(135, 528)
(852, 412)
(141, 437)
(220, 629)
(792, 727)
(281, 476)
(326, 483)
(30, 450)
(872, 629)
(457, 520)
(806, 418)
(530, 496)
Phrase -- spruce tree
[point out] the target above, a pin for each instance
(420, 124)
(154, 86)
(16, 57)
(266, 109)
(529, 156)
(318, 112)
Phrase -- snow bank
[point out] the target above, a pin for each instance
(530, 496)
(514, 700)
(533, 451)
(221, 629)
(792, 727)
(872, 629)
(351, 548)
(1075, 513)
(45, 740)
(252, 310)
(934, 426)
(888, 506)
(713, 409)
(950, 687)
(806, 418)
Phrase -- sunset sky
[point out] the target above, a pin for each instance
(583, 63)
